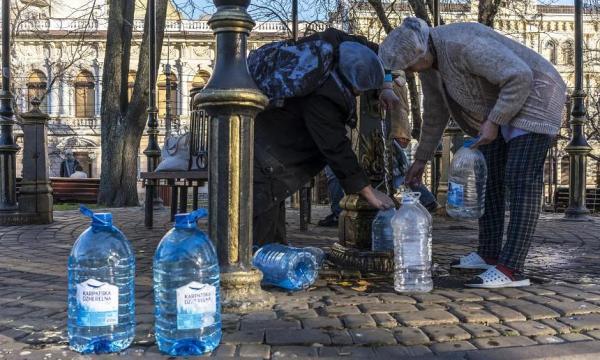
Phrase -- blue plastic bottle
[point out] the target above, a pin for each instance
(101, 298)
(186, 290)
(382, 234)
(285, 266)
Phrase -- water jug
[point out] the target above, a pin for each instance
(382, 235)
(412, 248)
(318, 254)
(101, 294)
(286, 267)
(466, 183)
(186, 290)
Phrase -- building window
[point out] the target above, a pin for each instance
(37, 87)
(552, 51)
(567, 53)
(200, 79)
(162, 94)
(130, 83)
(85, 95)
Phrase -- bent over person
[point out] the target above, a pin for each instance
(294, 142)
(512, 98)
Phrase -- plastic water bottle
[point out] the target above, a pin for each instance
(426, 212)
(318, 254)
(186, 290)
(412, 248)
(466, 183)
(286, 267)
(101, 298)
(382, 234)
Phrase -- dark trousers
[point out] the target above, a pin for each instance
(516, 167)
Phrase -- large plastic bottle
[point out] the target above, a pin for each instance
(466, 183)
(101, 298)
(382, 235)
(318, 253)
(186, 290)
(286, 267)
(412, 248)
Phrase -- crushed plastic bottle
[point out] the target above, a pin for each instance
(101, 295)
(186, 290)
(412, 248)
(286, 267)
(466, 183)
(382, 234)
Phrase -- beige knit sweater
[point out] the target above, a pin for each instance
(482, 74)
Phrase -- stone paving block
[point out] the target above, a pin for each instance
(537, 290)
(556, 325)
(539, 299)
(372, 337)
(322, 322)
(504, 330)
(297, 337)
(511, 293)
(548, 339)
(411, 336)
(573, 308)
(298, 314)
(479, 330)
(531, 328)
(485, 294)
(387, 308)
(502, 341)
(582, 322)
(394, 298)
(442, 333)
(340, 310)
(504, 313)
(573, 337)
(440, 348)
(352, 352)
(560, 298)
(340, 337)
(358, 321)
(224, 350)
(530, 310)
(352, 300)
(594, 333)
(258, 351)
(291, 306)
(561, 288)
(430, 298)
(424, 318)
(464, 305)
(385, 320)
(244, 337)
(459, 295)
(401, 352)
(287, 352)
(269, 324)
(428, 307)
(474, 316)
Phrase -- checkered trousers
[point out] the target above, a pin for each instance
(515, 169)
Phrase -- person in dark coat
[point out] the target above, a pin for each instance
(67, 167)
(293, 143)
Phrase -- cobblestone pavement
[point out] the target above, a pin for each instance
(342, 315)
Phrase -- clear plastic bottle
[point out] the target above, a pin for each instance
(382, 234)
(101, 297)
(466, 183)
(186, 290)
(286, 267)
(318, 254)
(412, 248)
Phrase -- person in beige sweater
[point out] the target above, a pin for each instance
(509, 96)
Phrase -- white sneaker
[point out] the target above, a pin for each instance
(471, 261)
(493, 278)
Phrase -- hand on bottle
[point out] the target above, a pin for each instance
(376, 198)
(487, 134)
(414, 175)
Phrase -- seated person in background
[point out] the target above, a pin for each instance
(79, 173)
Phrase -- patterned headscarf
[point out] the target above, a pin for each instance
(405, 45)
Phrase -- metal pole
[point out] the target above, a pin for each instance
(8, 147)
(232, 101)
(436, 12)
(295, 20)
(152, 151)
(168, 116)
(578, 147)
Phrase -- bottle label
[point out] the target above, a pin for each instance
(456, 194)
(97, 303)
(196, 305)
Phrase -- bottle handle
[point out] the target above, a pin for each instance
(89, 213)
(197, 214)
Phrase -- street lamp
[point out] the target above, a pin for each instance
(578, 147)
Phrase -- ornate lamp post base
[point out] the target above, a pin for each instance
(241, 292)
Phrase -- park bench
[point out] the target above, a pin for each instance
(592, 199)
(68, 190)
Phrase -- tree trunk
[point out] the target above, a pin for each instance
(122, 131)
(488, 9)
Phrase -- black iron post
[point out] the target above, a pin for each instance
(152, 151)
(232, 101)
(295, 20)
(168, 115)
(8, 147)
(578, 148)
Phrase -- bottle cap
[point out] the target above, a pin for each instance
(470, 141)
(188, 221)
(98, 219)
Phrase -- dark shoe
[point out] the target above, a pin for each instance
(330, 221)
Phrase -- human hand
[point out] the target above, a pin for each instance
(388, 99)
(414, 175)
(487, 134)
(376, 198)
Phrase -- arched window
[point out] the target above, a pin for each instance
(552, 51)
(130, 83)
(162, 94)
(200, 79)
(85, 95)
(37, 86)
(567, 53)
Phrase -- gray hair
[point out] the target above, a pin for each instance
(405, 45)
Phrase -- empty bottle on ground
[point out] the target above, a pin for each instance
(412, 248)
(382, 234)
(286, 267)
(318, 254)
(186, 290)
(101, 294)
(466, 183)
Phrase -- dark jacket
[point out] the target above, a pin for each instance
(294, 142)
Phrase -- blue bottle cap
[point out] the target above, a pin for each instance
(470, 141)
(188, 221)
(98, 219)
